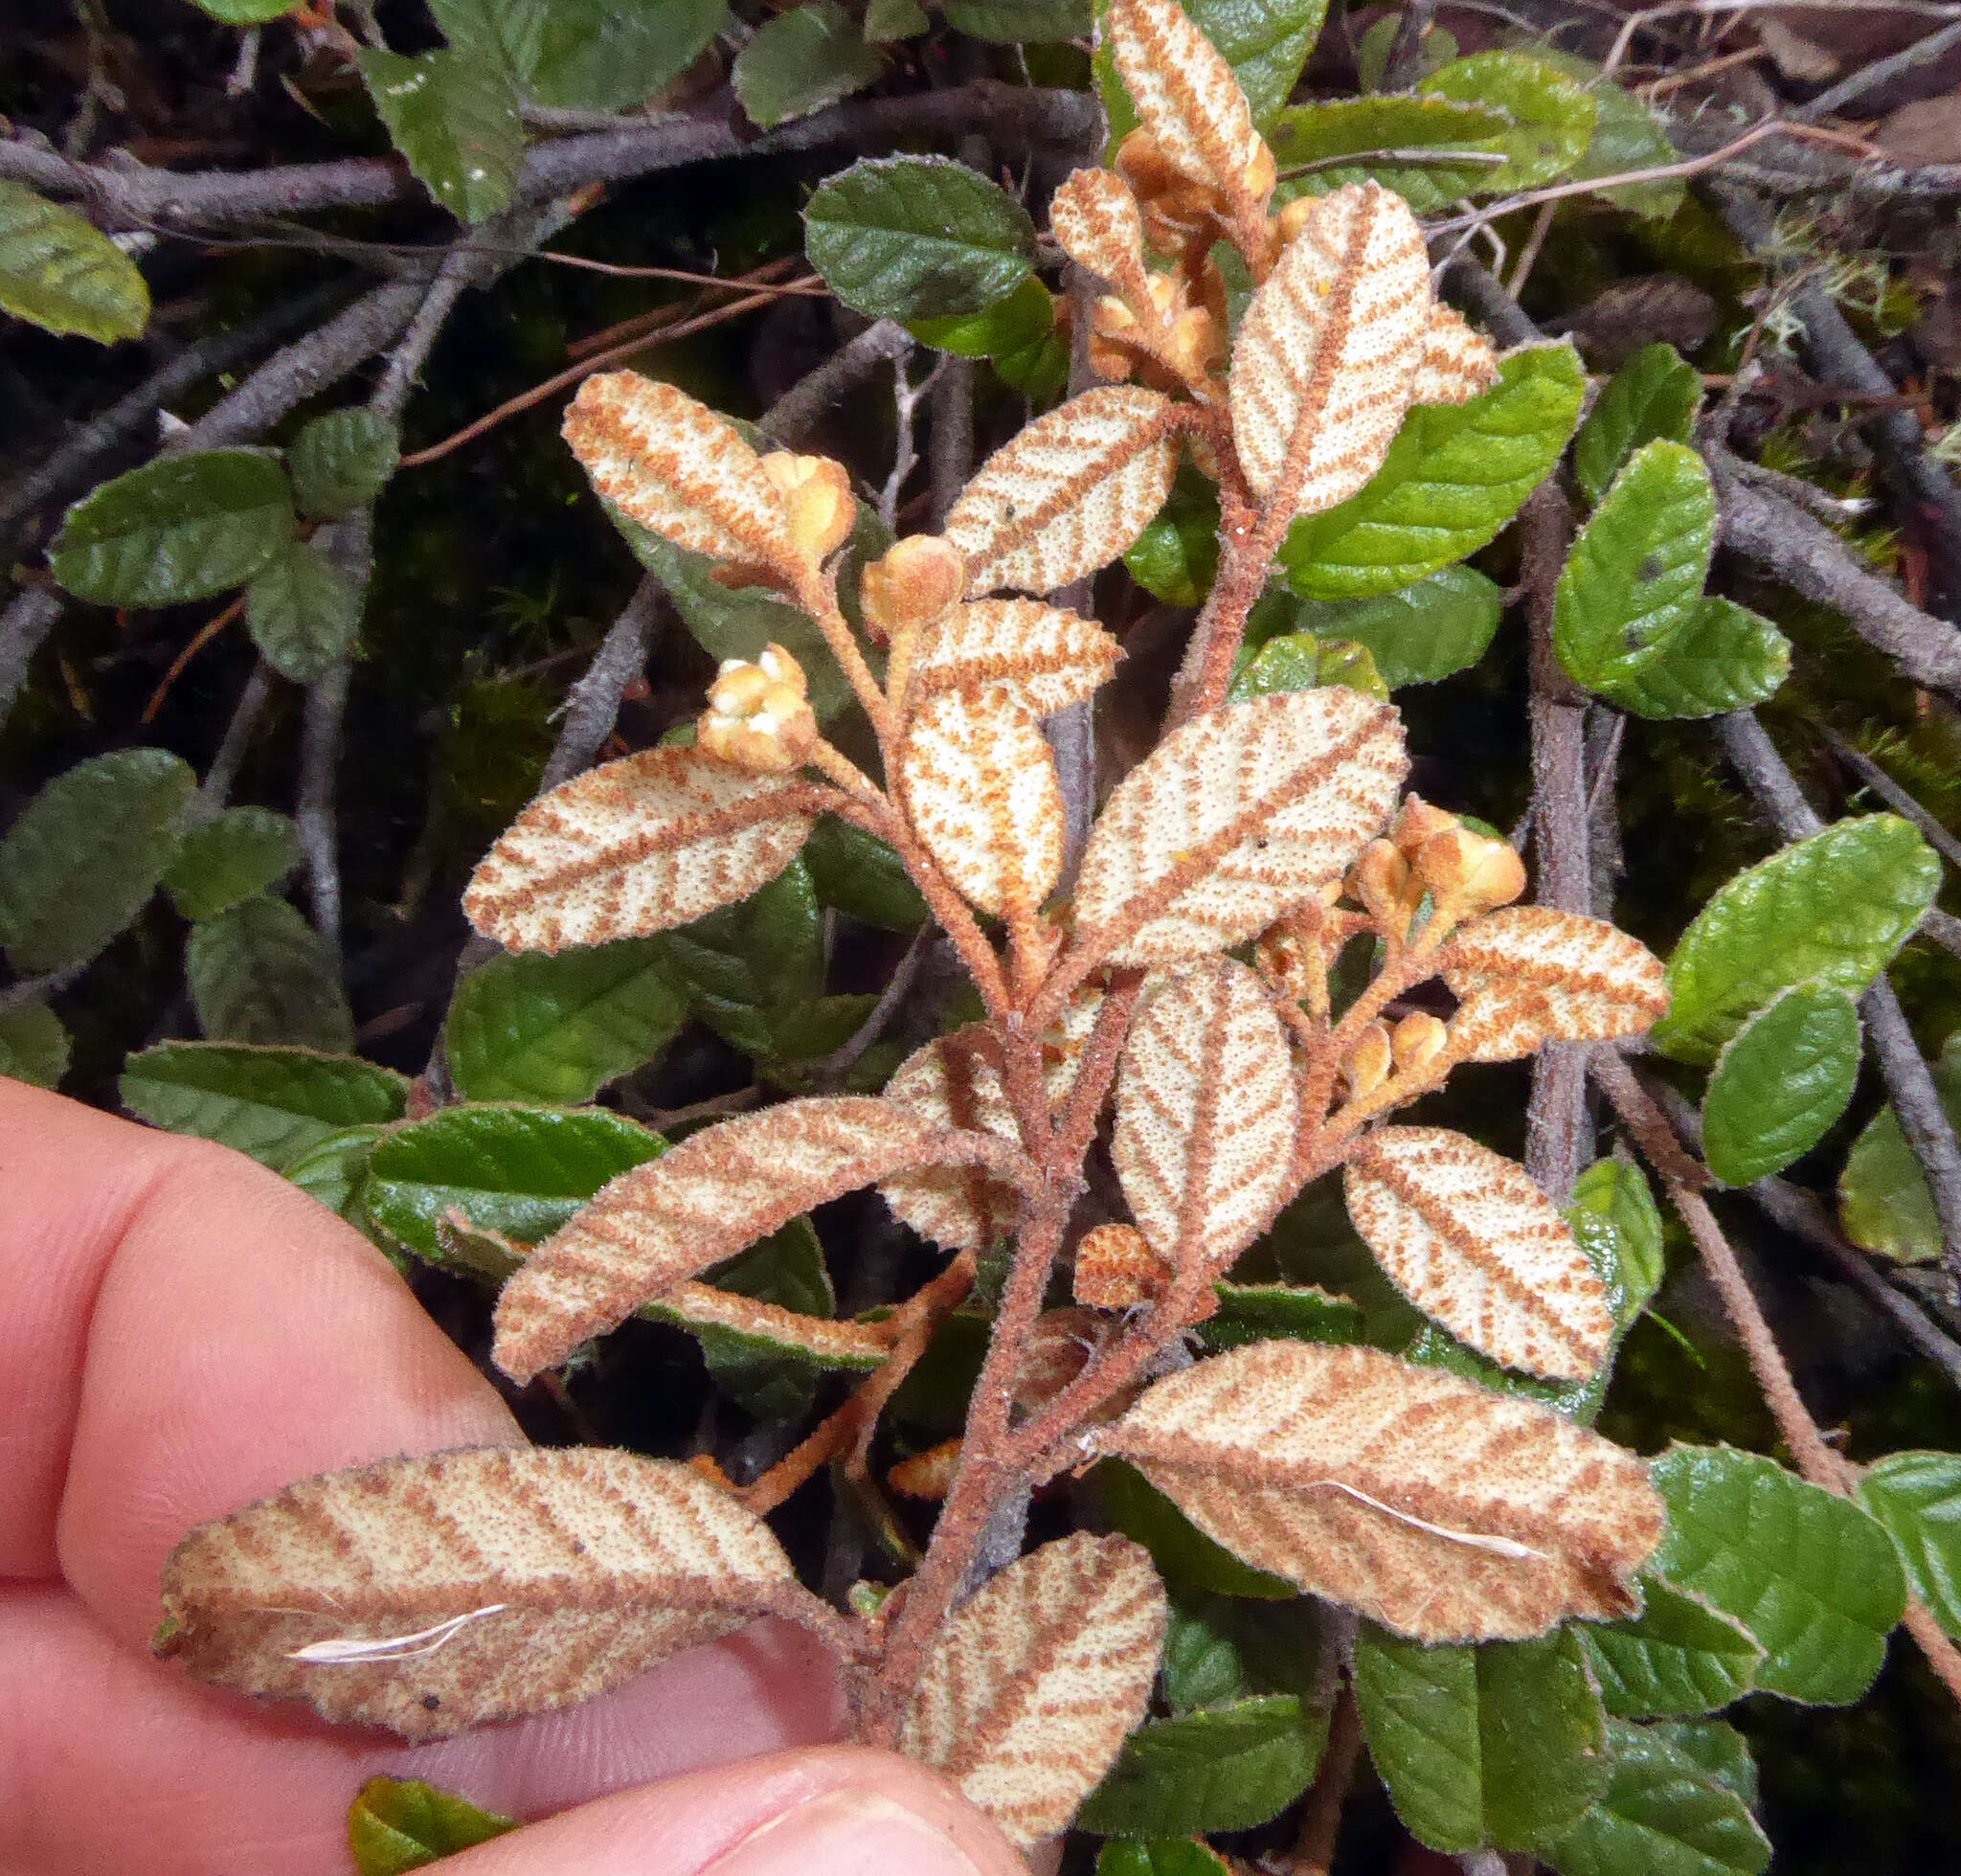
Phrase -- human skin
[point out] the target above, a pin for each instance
(181, 1333)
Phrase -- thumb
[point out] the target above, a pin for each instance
(825, 1810)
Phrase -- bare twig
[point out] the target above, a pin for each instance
(223, 773)
(1893, 795)
(841, 1061)
(30, 617)
(1406, 50)
(907, 397)
(348, 544)
(592, 704)
(950, 440)
(796, 413)
(1882, 71)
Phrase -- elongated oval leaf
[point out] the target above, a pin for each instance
(952, 1083)
(1654, 396)
(342, 462)
(1680, 1656)
(979, 783)
(1417, 636)
(1388, 137)
(1228, 1766)
(1833, 909)
(1206, 1110)
(431, 1594)
(1883, 1200)
(180, 528)
(533, 1026)
(222, 860)
(1071, 493)
(802, 60)
(86, 853)
(1234, 817)
(1471, 1240)
(1780, 1082)
(1809, 1574)
(1455, 474)
(34, 1047)
(1552, 114)
(399, 1824)
(272, 1103)
(1327, 356)
(261, 973)
(1185, 93)
(1528, 975)
(1043, 658)
(63, 274)
(1033, 1684)
(1917, 1497)
(1096, 223)
(701, 1201)
(302, 612)
(1719, 657)
(917, 237)
(633, 846)
(454, 117)
(1439, 1508)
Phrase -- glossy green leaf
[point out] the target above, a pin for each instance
(1883, 1200)
(860, 874)
(1504, 1744)
(1809, 1574)
(334, 1170)
(60, 272)
(585, 55)
(1184, 1554)
(246, 12)
(1024, 319)
(918, 237)
(182, 528)
(1269, 1312)
(302, 612)
(1266, 43)
(261, 973)
(558, 1027)
(1218, 1649)
(86, 853)
(1034, 22)
(275, 1104)
(342, 461)
(454, 117)
(1169, 1856)
(1715, 1746)
(34, 1045)
(1616, 1193)
(1552, 114)
(237, 852)
(1225, 1768)
(1627, 136)
(1679, 1657)
(887, 20)
(1917, 1497)
(1654, 397)
(800, 61)
(1780, 1082)
(1725, 657)
(1455, 475)
(753, 963)
(1425, 632)
(397, 1825)
(519, 1170)
(1832, 909)
(1178, 554)
(1379, 132)
(1661, 1815)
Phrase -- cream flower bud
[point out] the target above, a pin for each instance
(917, 581)
(1370, 1062)
(817, 494)
(758, 715)
(1469, 874)
(1380, 880)
(1416, 1042)
(1418, 822)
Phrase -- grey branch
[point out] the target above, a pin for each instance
(1893, 795)
(30, 617)
(1883, 71)
(348, 543)
(593, 705)
(1909, 1084)
(797, 412)
(222, 776)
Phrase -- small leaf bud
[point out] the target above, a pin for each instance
(1468, 873)
(1381, 880)
(1293, 219)
(1415, 1042)
(1370, 1062)
(817, 494)
(1261, 173)
(1116, 1268)
(758, 715)
(919, 580)
(1417, 821)
(928, 1474)
(1110, 321)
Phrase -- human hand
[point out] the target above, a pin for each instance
(182, 1332)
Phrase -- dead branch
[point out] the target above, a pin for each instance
(792, 418)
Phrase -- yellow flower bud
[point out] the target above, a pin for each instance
(1370, 1062)
(1260, 175)
(1293, 219)
(817, 494)
(919, 580)
(1467, 873)
(1415, 1042)
(758, 715)
(1417, 822)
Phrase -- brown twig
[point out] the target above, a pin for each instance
(202, 637)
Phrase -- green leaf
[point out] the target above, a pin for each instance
(275, 1104)
(1917, 1498)
(342, 461)
(1725, 657)
(1033, 22)
(183, 527)
(1883, 1200)
(1218, 1649)
(261, 973)
(1780, 1082)
(334, 1170)
(585, 55)
(60, 272)
(1832, 909)
(1717, 1748)
(454, 117)
(237, 852)
(1661, 1815)
(558, 1027)
(1227, 1768)
(86, 853)
(1024, 319)
(519, 1170)
(753, 961)
(34, 1045)
(397, 1825)
(1377, 131)
(802, 60)
(1266, 43)
(1627, 136)
(917, 237)
(1421, 634)
(246, 12)
(1184, 1554)
(302, 612)
(861, 875)
(1178, 554)
(1170, 1856)
(1504, 1744)
(1809, 1574)
(1455, 474)
(1680, 1656)
(1616, 1193)
(1553, 116)
(1270, 1312)
(887, 20)
(1654, 397)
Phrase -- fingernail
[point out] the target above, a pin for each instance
(846, 1833)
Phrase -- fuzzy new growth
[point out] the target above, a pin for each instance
(1112, 1009)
